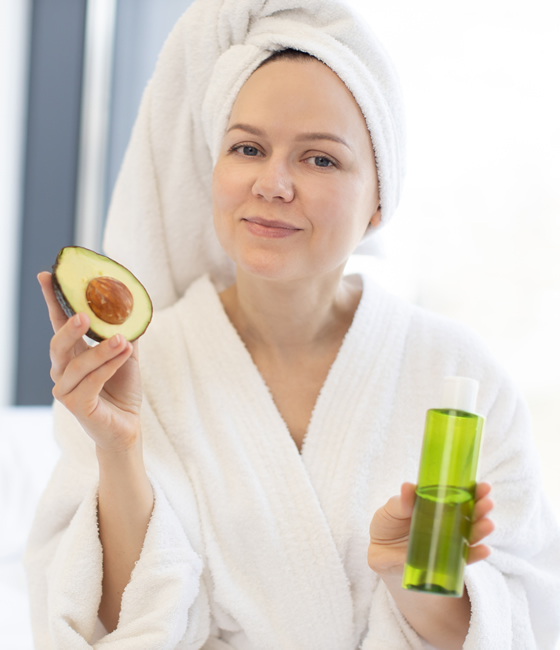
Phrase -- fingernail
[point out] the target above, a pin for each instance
(77, 321)
(115, 341)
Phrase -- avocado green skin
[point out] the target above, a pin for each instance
(65, 304)
(66, 307)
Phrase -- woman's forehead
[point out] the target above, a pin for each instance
(303, 96)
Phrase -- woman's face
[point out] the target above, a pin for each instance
(295, 184)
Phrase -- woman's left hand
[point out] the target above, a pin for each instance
(390, 527)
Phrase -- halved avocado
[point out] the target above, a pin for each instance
(106, 291)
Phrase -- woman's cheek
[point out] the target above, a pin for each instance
(330, 205)
(340, 219)
(223, 187)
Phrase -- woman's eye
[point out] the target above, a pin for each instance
(247, 150)
(322, 161)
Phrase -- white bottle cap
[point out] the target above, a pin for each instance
(459, 393)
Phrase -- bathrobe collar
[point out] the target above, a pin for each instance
(289, 495)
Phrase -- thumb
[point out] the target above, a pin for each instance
(57, 317)
(408, 497)
(401, 506)
(391, 522)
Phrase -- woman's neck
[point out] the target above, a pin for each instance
(286, 319)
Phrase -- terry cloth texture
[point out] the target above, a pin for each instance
(160, 219)
(254, 546)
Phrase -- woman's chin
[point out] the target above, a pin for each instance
(269, 265)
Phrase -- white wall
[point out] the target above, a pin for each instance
(477, 235)
(14, 23)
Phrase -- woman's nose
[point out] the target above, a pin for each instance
(274, 181)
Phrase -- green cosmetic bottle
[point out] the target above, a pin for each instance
(441, 520)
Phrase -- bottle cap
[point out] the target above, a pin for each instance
(459, 393)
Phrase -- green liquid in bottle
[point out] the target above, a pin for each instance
(440, 530)
(441, 521)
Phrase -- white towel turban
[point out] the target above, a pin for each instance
(160, 220)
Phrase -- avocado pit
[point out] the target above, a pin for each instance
(107, 292)
(109, 299)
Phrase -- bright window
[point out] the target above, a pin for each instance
(477, 234)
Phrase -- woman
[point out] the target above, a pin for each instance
(244, 489)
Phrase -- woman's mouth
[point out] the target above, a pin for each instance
(270, 228)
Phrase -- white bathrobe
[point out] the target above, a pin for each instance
(254, 546)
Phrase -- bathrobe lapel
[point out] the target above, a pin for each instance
(345, 447)
(270, 548)
(280, 527)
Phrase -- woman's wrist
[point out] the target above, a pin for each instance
(440, 620)
(127, 455)
(123, 473)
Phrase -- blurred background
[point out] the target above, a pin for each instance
(476, 237)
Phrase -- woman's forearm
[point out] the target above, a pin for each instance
(442, 621)
(125, 505)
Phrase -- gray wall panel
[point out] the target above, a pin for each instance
(141, 30)
(55, 78)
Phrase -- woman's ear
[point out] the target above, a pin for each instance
(376, 219)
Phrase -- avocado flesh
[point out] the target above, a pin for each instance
(75, 267)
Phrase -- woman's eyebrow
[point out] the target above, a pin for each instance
(302, 136)
(245, 127)
(322, 136)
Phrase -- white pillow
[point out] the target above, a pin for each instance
(28, 454)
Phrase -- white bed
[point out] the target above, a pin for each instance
(28, 454)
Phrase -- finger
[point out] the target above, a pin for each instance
(391, 522)
(64, 344)
(482, 490)
(56, 314)
(85, 397)
(477, 553)
(87, 362)
(134, 354)
(408, 497)
(480, 530)
(482, 508)
(400, 507)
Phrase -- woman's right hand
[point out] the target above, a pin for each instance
(99, 385)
